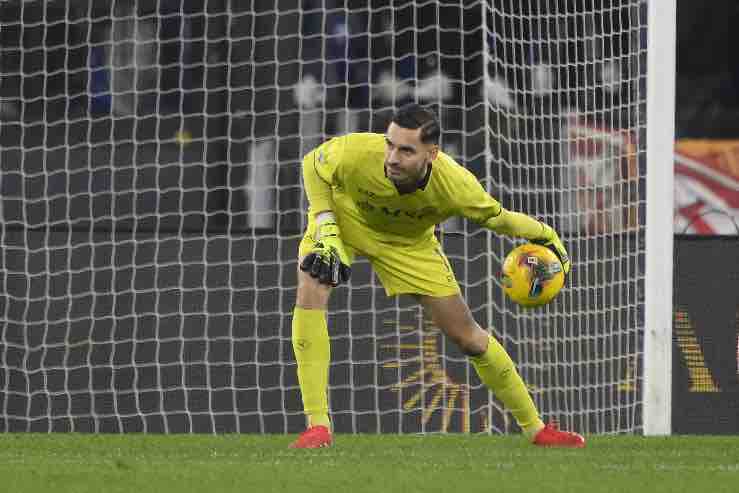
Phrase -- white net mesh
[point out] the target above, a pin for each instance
(566, 120)
(152, 207)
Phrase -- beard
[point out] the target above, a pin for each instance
(405, 178)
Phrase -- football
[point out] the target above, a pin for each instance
(532, 275)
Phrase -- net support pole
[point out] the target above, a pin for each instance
(661, 43)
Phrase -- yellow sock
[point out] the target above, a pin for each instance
(498, 373)
(312, 353)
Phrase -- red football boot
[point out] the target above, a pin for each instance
(552, 436)
(313, 437)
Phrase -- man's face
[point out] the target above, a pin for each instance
(406, 156)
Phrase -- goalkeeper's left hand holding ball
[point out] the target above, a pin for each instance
(328, 261)
(550, 239)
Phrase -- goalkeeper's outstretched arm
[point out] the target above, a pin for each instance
(474, 203)
(520, 225)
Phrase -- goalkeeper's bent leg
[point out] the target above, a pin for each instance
(498, 373)
(312, 353)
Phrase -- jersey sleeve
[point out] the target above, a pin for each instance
(471, 200)
(322, 168)
(517, 224)
(479, 206)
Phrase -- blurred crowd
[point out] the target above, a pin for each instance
(515, 84)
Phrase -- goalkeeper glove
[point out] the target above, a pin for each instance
(328, 261)
(550, 239)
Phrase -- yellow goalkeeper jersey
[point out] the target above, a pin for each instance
(347, 176)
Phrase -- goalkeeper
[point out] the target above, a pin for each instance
(380, 196)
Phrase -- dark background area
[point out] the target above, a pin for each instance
(707, 85)
(187, 334)
(96, 101)
(136, 293)
(706, 291)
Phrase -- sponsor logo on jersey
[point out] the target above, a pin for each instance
(364, 191)
(418, 215)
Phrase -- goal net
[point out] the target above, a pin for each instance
(152, 206)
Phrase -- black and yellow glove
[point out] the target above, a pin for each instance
(328, 261)
(550, 239)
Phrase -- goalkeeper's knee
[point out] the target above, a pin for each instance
(311, 294)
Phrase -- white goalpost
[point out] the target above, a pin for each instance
(662, 26)
(152, 206)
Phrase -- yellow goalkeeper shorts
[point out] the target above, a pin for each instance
(417, 269)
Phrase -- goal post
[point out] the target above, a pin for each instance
(152, 207)
(661, 70)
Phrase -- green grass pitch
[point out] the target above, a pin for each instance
(366, 463)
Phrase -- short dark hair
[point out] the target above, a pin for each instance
(415, 116)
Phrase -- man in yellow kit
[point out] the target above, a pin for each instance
(381, 196)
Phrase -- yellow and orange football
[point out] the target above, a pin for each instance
(532, 275)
